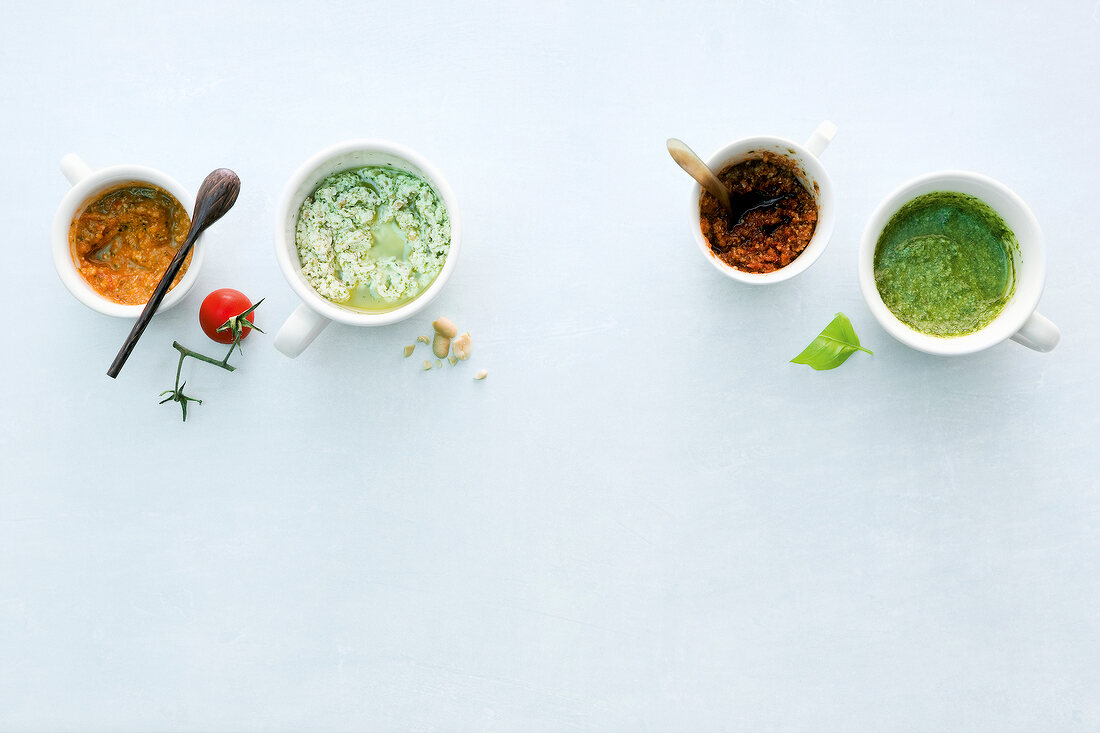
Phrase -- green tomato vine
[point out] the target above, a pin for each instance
(235, 326)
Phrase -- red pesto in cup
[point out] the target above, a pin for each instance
(774, 215)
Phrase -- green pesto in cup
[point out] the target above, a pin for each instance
(944, 264)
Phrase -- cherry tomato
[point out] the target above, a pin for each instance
(219, 307)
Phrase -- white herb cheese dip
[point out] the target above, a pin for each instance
(373, 237)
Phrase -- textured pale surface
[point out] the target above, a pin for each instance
(645, 518)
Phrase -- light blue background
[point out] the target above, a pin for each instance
(646, 518)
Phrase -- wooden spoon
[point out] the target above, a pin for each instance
(686, 158)
(737, 206)
(217, 194)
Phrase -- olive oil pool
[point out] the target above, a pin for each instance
(944, 264)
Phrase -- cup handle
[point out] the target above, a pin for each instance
(299, 330)
(1038, 333)
(74, 168)
(821, 138)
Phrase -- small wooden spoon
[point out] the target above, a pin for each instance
(217, 194)
(736, 206)
(686, 158)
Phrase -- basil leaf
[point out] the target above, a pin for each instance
(832, 347)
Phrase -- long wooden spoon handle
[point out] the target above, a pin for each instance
(686, 158)
(217, 194)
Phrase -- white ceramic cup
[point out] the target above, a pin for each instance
(316, 311)
(813, 177)
(1018, 321)
(87, 185)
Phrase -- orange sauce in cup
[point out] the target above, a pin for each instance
(123, 241)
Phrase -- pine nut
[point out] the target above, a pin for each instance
(445, 327)
(462, 346)
(441, 345)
